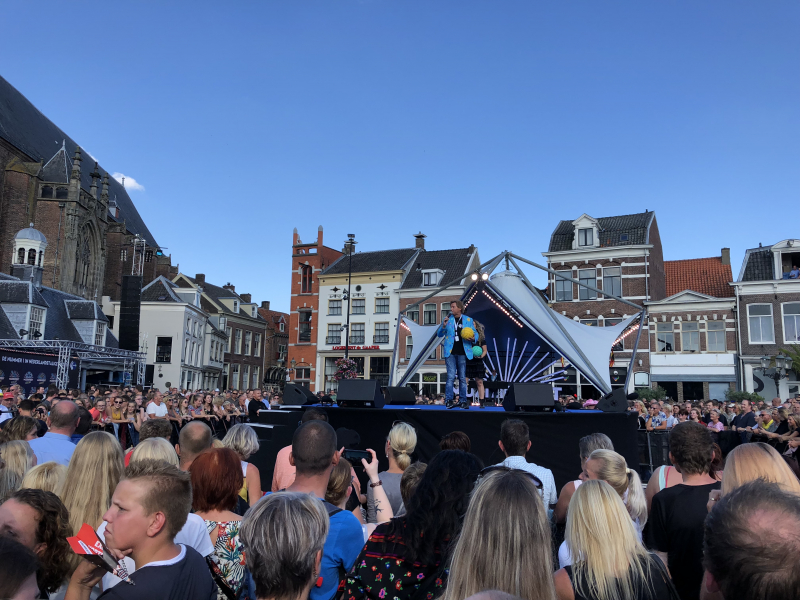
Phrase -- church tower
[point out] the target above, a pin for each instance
(29, 247)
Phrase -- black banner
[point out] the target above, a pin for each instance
(31, 370)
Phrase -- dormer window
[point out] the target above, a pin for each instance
(586, 237)
(432, 277)
(253, 311)
(100, 335)
(236, 306)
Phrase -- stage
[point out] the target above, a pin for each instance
(554, 436)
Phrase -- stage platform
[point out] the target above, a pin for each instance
(554, 436)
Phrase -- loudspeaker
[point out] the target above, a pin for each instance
(297, 395)
(616, 401)
(400, 395)
(529, 397)
(129, 309)
(359, 393)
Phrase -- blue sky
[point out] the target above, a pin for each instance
(474, 122)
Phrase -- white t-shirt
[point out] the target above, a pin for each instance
(157, 410)
(193, 534)
(5, 414)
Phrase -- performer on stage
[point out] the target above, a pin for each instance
(475, 367)
(493, 377)
(458, 331)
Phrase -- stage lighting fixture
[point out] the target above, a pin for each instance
(485, 276)
(474, 277)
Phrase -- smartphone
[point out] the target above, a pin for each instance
(355, 456)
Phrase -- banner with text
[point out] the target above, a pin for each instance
(31, 370)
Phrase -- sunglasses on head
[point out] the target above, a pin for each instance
(536, 481)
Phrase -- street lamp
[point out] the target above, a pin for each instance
(783, 364)
(349, 245)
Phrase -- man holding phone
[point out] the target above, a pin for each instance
(457, 347)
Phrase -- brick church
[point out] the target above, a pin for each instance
(86, 215)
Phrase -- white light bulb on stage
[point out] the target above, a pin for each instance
(474, 277)
(485, 276)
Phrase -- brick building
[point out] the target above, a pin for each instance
(768, 309)
(276, 345)
(693, 330)
(621, 255)
(308, 260)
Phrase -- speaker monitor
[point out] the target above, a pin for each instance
(400, 395)
(529, 397)
(616, 401)
(359, 393)
(129, 310)
(297, 395)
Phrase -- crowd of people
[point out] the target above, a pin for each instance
(183, 509)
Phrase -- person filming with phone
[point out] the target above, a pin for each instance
(458, 331)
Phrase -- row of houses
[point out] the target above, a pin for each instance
(706, 331)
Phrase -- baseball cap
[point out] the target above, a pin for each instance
(8, 395)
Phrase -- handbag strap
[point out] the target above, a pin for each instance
(223, 587)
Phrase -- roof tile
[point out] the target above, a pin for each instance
(705, 275)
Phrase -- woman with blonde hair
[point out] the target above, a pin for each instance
(586, 445)
(748, 462)
(19, 428)
(18, 458)
(504, 543)
(400, 444)
(156, 449)
(243, 440)
(608, 559)
(608, 466)
(49, 476)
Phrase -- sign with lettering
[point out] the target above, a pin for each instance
(358, 347)
(430, 378)
(33, 369)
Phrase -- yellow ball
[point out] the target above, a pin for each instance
(467, 333)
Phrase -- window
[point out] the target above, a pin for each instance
(791, 322)
(228, 333)
(690, 336)
(359, 307)
(21, 256)
(238, 342)
(431, 278)
(589, 322)
(31, 256)
(123, 254)
(47, 191)
(36, 323)
(257, 345)
(188, 326)
(334, 307)
(612, 281)
(759, 319)
(245, 376)
(587, 277)
(99, 334)
(148, 256)
(665, 338)
(304, 332)
(236, 306)
(62, 193)
(563, 288)
(282, 327)
(445, 310)
(409, 346)
(302, 376)
(248, 339)
(186, 355)
(433, 354)
(41, 256)
(429, 314)
(334, 334)
(413, 314)
(585, 237)
(234, 376)
(379, 369)
(382, 306)
(610, 323)
(331, 384)
(715, 336)
(256, 383)
(381, 335)
(305, 279)
(357, 333)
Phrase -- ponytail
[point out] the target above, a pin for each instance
(402, 441)
(637, 503)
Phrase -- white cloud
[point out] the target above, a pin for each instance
(130, 182)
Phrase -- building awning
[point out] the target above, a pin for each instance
(689, 377)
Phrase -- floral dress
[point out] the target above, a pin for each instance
(228, 557)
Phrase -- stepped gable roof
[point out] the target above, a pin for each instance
(23, 126)
(372, 262)
(758, 265)
(705, 275)
(452, 262)
(611, 230)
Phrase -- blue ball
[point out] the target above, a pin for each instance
(476, 351)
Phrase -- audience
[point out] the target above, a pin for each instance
(410, 480)
(400, 444)
(586, 445)
(515, 442)
(152, 428)
(19, 428)
(283, 474)
(504, 543)
(155, 449)
(40, 522)
(243, 440)
(284, 535)
(455, 440)
(56, 444)
(18, 566)
(49, 476)
(608, 560)
(407, 556)
(678, 512)
(757, 461)
(18, 458)
(195, 438)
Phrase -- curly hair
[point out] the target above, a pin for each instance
(438, 505)
(53, 531)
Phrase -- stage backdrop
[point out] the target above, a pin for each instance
(33, 369)
(554, 436)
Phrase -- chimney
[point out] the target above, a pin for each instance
(200, 278)
(420, 240)
(247, 298)
(726, 256)
(265, 304)
(229, 287)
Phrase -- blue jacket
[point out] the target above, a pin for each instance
(449, 335)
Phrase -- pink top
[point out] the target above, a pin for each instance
(283, 475)
(718, 426)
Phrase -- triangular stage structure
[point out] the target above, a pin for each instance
(527, 341)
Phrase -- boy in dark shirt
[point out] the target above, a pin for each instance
(148, 509)
(678, 512)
